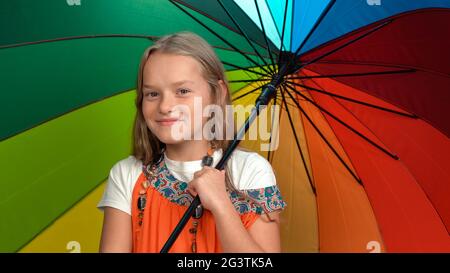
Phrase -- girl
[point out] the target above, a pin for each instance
(148, 192)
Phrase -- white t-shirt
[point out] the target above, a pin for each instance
(247, 170)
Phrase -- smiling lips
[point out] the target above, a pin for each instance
(167, 121)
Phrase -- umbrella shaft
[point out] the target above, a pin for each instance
(263, 99)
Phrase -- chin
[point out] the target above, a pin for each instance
(167, 138)
(171, 141)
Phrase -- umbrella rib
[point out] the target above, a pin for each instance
(217, 35)
(359, 120)
(253, 91)
(279, 120)
(390, 72)
(352, 100)
(214, 19)
(343, 123)
(255, 82)
(316, 25)
(288, 101)
(354, 40)
(313, 29)
(282, 33)
(251, 76)
(243, 33)
(251, 80)
(371, 63)
(247, 93)
(264, 32)
(324, 139)
(270, 156)
(271, 128)
(232, 50)
(148, 37)
(243, 68)
(297, 141)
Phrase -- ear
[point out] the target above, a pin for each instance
(223, 90)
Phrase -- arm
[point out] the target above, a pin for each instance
(116, 233)
(263, 235)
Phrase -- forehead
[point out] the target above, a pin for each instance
(168, 68)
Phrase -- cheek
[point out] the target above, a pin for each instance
(148, 109)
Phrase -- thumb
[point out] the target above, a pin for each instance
(191, 189)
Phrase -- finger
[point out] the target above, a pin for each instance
(200, 172)
(191, 189)
(208, 169)
(204, 171)
(192, 192)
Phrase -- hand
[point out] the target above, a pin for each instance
(209, 184)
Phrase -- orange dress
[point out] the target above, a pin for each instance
(166, 201)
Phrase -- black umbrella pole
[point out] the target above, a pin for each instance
(263, 99)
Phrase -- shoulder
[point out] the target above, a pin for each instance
(249, 170)
(128, 164)
(122, 178)
(250, 157)
(126, 171)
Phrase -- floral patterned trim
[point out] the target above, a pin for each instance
(261, 200)
(168, 186)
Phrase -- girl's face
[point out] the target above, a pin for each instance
(171, 81)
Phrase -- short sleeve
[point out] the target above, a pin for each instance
(255, 180)
(250, 170)
(119, 187)
(258, 201)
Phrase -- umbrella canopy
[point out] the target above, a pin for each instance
(363, 147)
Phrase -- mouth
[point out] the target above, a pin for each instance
(167, 122)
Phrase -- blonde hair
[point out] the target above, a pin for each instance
(146, 146)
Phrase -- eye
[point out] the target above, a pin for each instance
(183, 91)
(151, 94)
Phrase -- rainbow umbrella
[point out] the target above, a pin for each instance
(363, 150)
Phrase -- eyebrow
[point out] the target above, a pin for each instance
(173, 84)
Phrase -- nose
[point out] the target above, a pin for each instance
(166, 104)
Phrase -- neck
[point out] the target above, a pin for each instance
(187, 151)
